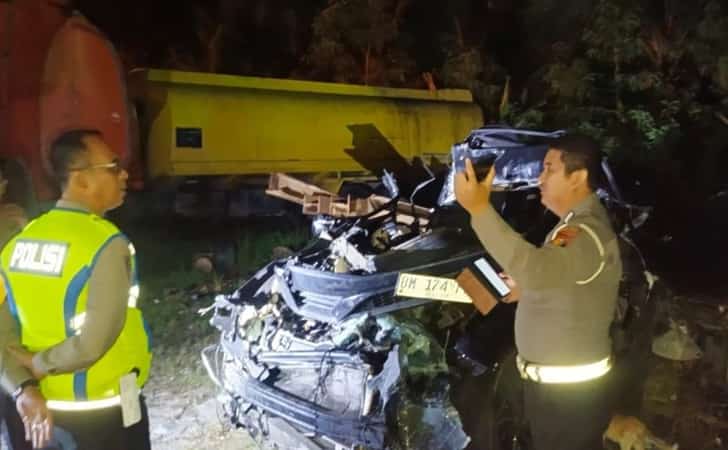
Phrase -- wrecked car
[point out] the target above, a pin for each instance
(317, 352)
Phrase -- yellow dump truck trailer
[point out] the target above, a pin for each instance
(199, 124)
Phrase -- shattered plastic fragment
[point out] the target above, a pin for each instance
(386, 382)
(676, 344)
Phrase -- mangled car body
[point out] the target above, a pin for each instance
(316, 351)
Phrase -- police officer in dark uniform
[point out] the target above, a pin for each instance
(566, 291)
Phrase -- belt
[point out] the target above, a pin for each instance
(63, 405)
(542, 373)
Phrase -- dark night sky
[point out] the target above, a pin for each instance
(149, 27)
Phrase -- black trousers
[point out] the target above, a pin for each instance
(569, 416)
(99, 430)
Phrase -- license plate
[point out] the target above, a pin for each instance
(429, 287)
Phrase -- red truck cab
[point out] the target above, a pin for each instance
(57, 72)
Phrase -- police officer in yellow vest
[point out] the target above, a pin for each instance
(567, 292)
(12, 221)
(72, 287)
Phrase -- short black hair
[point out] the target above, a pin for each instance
(578, 152)
(67, 151)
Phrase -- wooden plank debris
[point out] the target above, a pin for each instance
(315, 200)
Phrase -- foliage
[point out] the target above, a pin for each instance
(572, 84)
(465, 68)
(360, 41)
(655, 130)
(613, 34)
(711, 40)
(629, 80)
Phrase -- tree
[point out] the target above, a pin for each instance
(360, 41)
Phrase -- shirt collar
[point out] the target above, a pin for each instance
(582, 207)
(68, 204)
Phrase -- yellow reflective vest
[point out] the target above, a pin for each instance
(46, 268)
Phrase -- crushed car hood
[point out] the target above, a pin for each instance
(316, 351)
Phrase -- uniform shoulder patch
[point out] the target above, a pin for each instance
(563, 236)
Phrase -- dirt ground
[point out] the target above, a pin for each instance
(189, 420)
(183, 411)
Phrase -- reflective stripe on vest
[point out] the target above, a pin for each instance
(542, 373)
(60, 405)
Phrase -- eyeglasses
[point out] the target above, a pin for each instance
(113, 167)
